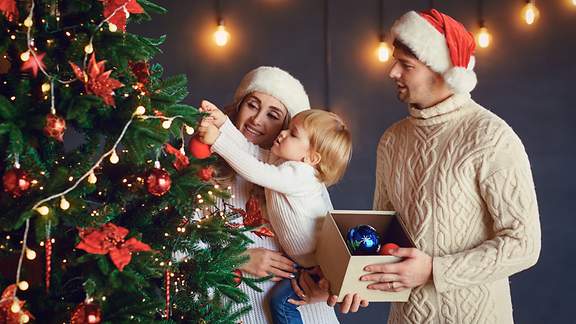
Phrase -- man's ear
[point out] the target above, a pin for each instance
(313, 158)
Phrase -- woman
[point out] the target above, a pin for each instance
(264, 102)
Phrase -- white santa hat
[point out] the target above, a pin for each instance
(277, 83)
(442, 43)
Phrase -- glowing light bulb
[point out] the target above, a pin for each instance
(530, 13)
(483, 37)
(25, 318)
(43, 210)
(30, 254)
(25, 56)
(383, 52)
(574, 2)
(114, 158)
(140, 110)
(64, 204)
(28, 22)
(45, 87)
(190, 130)
(15, 308)
(166, 124)
(111, 27)
(92, 178)
(221, 36)
(23, 285)
(89, 49)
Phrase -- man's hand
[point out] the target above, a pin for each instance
(415, 270)
(207, 132)
(217, 117)
(351, 303)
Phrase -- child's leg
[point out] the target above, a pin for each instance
(282, 311)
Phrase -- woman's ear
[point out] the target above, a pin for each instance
(313, 158)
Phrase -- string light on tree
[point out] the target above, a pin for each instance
(43, 210)
(25, 56)
(114, 157)
(64, 204)
(30, 254)
(530, 12)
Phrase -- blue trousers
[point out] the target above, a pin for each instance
(282, 311)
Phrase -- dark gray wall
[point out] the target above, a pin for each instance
(526, 77)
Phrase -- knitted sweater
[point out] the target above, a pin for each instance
(460, 179)
(260, 313)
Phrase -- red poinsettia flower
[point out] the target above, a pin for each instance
(206, 173)
(9, 9)
(34, 63)
(98, 81)
(120, 10)
(109, 239)
(181, 162)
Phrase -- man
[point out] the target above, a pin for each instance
(460, 180)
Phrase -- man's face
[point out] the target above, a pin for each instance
(416, 83)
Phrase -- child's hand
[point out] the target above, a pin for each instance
(207, 132)
(217, 117)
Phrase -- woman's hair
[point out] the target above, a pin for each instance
(330, 138)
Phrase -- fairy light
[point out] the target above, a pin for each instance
(30, 254)
(23, 285)
(15, 308)
(140, 110)
(111, 27)
(92, 178)
(25, 56)
(530, 12)
(25, 318)
(45, 87)
(89, 49)
(43, 210)
(167, 123)
(114, 158)
(28, 22)
(190, 130)
(64, 204)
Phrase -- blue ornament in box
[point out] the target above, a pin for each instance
(363, 240)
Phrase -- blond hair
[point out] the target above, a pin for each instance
(330, 138)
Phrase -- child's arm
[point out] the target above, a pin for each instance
(287, 178)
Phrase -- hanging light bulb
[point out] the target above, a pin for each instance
(114, 158)
(483, 37)
(28, 22)
(45, 87)
(15, 308)
(89, 48)
(25, 318)
(530, 12)
(111, 27)
(25, 56)
(167, 123)
(23, 285)
(64, 204)
(140, 110)
(221, 36)
(189, 130)
(383, 52)
(30, 254)
(92, 178)
(43, 210)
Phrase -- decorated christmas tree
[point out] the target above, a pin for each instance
(108, 211)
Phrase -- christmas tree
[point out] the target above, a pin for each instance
(108, 212)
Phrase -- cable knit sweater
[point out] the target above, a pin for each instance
(460, 178)
(260, 313)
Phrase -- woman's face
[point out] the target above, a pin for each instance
(260, 118)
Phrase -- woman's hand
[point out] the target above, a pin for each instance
(264, 262)
(207, 133)
(309, 291)
(217, 117)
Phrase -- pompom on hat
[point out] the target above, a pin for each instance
(277, 83)
(442, 43)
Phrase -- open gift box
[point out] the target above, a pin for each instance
(342, 269)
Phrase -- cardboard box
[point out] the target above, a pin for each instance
(343, 269)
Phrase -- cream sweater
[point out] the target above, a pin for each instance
(460, 178)
(260, 313)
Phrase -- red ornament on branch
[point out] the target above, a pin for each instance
(110, 239)
(142, 72)
(198, 149)
(181, 162)
(206, 173)
(48, 247)
(34, 63)
(120, 10)
(9, 9)
(12, 309)
(158, 182)
(237, 277)
(55, 127)
(15, 182)
(86, 313)
(97, 81)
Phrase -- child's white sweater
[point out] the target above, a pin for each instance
(296, 200)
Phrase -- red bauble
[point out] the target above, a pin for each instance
(237, 277)
(206, 173)
(55, 127)
(16, 182)
(158, 182)
(86, 313)
(387, 248)
(198, 149)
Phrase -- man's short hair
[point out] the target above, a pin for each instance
(398, 44)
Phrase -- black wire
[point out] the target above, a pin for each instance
(219, 19)
(481, 13)
(327, 56)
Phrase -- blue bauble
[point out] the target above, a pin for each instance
(363, 240)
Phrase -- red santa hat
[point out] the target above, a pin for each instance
(442, 43)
